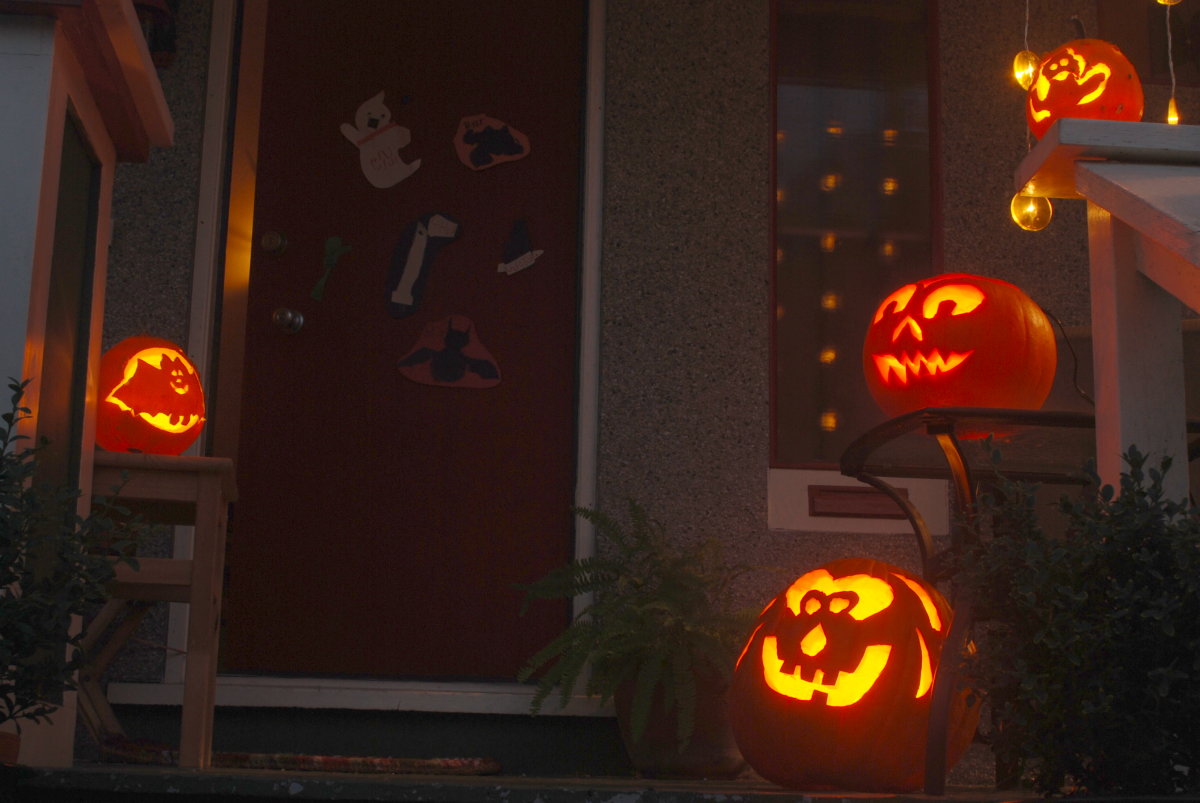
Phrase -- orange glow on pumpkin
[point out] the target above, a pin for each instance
(847, 649)
(959, 340)
(1087, 78)
(151, 399)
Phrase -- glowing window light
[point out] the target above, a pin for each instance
(834, 130)
(780, 135)
(829, 421)
(831, 181)
(831, 301)
(890, 135)
(828, 242)
(778, 256)
(780, 195)
(828, 355)
(889, 186)
(887, 249)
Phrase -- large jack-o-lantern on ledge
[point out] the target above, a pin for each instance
(834, 687)
(150, 398)
(959, 340)
(1087, 78)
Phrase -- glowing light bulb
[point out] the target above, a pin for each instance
(828, 242)
(828, 355)
(1031, 212)
(834, 129)
(831, 301)
(831, 181)
(1025, 66)
(889, 186)
(1168, 2)
(1172, 109)
(887, 249)
(829, 421)
(890, 135)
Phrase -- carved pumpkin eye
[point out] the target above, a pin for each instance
(962, 298)
(898, 300)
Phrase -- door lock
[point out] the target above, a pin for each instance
(289, 320)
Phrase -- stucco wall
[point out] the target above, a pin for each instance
(684, 401)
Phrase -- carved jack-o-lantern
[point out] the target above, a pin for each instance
(959, 340)
(150, 398)
(834, 686)
(1084, 78)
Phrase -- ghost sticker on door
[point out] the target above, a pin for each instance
(379, 140)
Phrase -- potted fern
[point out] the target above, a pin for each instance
(657, 637)
(54, 566)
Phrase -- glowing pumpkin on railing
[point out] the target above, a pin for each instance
(959, 340)
(150, 398)
(1087, 78)
(833, 688)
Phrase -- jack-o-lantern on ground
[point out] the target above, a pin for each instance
(959, 340)
(150, 398)
(1087, 78)
(833, 689)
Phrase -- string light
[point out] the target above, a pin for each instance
(1172, 109)
(1025, 63)
(1031, 212)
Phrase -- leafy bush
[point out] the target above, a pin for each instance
(1089, 640)
(54, 565)
(658, 614)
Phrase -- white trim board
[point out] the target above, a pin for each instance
(363, 695)
(787, 504)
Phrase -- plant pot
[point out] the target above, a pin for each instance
(712, 751)
(10, 747)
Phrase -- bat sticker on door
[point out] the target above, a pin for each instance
(449, 354)
(379, 139)
(482, 142)
(412, 261)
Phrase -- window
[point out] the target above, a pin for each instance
(852, 207)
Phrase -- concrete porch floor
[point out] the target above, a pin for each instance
(136, 784)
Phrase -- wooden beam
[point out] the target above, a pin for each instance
(1049, 169)
(1137, 356)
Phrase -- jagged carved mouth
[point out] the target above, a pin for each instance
(917, 364)
(846, 688)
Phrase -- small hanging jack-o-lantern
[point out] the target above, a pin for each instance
(833, 688)
(1087, 78)
(959, 340)
(150, 398)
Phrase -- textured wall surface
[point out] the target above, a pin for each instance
(685, 355)
(684, 400)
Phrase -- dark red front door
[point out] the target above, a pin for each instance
(407, 455)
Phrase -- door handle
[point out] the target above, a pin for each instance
(289, 320)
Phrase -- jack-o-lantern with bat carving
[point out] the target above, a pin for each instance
(959, 340)
(150, 398)
(833, 688)
(1087, 78)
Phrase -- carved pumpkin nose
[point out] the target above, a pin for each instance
(911, 325)
(814, 641)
